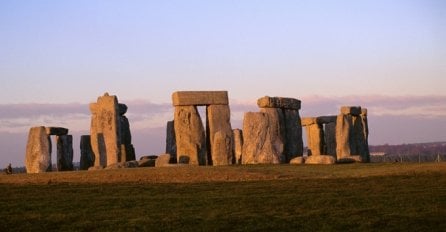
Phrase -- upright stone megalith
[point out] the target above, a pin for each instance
(352, 133)
(87, 156)
(105, 138)
(190, 136)
(171, 145)
(218, 122)
(217, 148)
(127, 149)
(275, 134)
(38, 151)
(238, 145)
(64, 152)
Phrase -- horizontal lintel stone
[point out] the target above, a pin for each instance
(353, 110)
(279, 102)
(56, 131)
(200, 98)
(326, 119)
(308, 121)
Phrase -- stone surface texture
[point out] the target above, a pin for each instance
(105, 131)
(293, 134)
(163, 160)
(219, 135)
(171, 146)
(87, 156)
(320, 159)
(189, 136)
(38, 151)
(56, 130)
(200, 98)
(315, 139)
(279, 102)
(238, 145)
(64, 152)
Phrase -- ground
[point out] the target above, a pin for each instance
(349, 197)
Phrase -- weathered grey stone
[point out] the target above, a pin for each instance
(38, 151)
(238, 145)
(105, 132)
(344, 129)
(315, 139)
(352, 110)
(163, 160)
(320, 159)
(87, 156)
(128, 164)
(127, 149)
(122, 109)
(219, 135)
(200, 98)
(326, 119)
(146, 162)
(307, 121)
(263, 137)
(297, 160)
(171, 146)
(189, 135)
(64, 152)
(330, 139)
(279, 102)
(56, 131)
(352, 135)
(293, 131)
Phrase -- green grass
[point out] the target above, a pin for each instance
(385, 197)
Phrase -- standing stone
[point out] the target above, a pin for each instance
(87, 156)
(344, 124)
(64, 152)
(238, 145)
(365, 153)
(105, 131)
(218, 122)
(276, 131)
(262, 135)
(190, 136)
(171, 146)
(293, 140)
(38, 151)
(330, 138)
(315, 136)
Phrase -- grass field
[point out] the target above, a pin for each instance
(355, 197)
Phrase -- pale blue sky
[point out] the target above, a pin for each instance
(388, 56)
(72, 51)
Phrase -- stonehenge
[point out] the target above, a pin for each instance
(273, 135)
(196, 145)
(39, 147)
(110, 136)
(344, 136)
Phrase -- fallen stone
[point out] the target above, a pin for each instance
(148, 157)
(279, 102)
(190, 135)
(320, 159)
(162, 160)
(129, 164)
(56, 131)
(200, 98)
(38, 151)
(297, 160)
(350, 159)
(146, 163)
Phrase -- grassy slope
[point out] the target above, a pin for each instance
(280, 198)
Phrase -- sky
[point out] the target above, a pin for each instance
(58, 56)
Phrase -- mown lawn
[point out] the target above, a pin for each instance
(407, 197)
